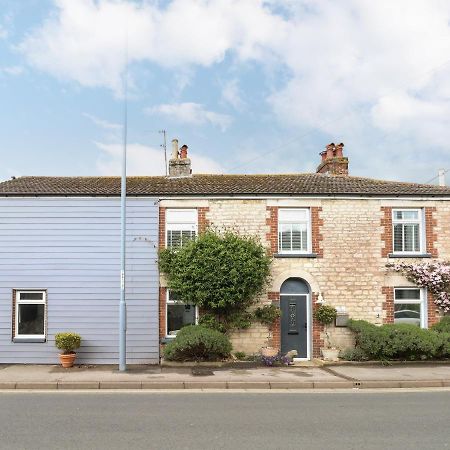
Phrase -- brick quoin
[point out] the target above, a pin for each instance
(317, 237)
(317, 329)
(388, 305)
(276, 326)
(433, 317)
(203, 222)
(272, 223)
(386, 235)
(431, 236)
(162, 312)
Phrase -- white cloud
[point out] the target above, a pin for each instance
(12, 70)
(84, 40)
(144, 160)
(231, 94)
(103, 123)
(192, 113)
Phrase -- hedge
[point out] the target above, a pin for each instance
(402, 341)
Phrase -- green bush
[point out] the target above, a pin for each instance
(240, 356)
(325, 314)
(353, 354)
(402, 341)
(67, 341)
(223, 274)
(443, 326)
(198, 343)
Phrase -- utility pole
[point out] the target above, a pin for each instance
(164, 146)
(123, 221)
(442, 177)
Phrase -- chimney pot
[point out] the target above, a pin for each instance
(339, 150)
(323, 155)
(183, 152)
(330, 150)
(174, 149)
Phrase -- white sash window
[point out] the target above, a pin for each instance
(294, 230)
(181, 226)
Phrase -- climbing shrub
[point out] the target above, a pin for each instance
(223, 274)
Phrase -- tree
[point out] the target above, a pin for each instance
(223, 274)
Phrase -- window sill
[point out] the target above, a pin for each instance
(295, 255)
(28, 339)
(409, 255)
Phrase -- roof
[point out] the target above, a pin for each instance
(217, 185)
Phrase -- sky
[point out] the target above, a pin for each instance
(251, 86)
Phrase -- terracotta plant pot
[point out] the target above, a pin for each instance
(269, 352)
(67, 360)
(330, 354)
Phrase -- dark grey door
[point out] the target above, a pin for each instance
(294, 324)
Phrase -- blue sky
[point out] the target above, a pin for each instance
(250, 86)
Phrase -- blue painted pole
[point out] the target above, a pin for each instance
(123, 220)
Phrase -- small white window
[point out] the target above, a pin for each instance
(181, 226)
(30, 314)
(409, 306)
(408, 231)
(178, 314)
(294, 231)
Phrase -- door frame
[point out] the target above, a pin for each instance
(308, 323)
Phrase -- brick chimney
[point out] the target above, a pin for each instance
(333, 161)
(179, 163)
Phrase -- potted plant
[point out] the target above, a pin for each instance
(326, 314)
(68, 342)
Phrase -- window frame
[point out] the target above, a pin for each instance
(420, 221)
(18, 301)
(308, 223)
(422, 302)
(176, 302)
(171, 225)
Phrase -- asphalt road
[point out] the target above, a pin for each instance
(187, 420)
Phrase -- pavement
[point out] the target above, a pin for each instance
(407, 375)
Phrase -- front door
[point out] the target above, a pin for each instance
(294, 324)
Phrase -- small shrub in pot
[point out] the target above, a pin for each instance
(68, 342)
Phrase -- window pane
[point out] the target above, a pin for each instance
(407, 294)
(285, 238)
(173, 238)
(31, 295)
(416, 238)
(296, 237)
(407, 313)
(31, 319)
(292, 215)
(178, 316)
(410, 215)
(398, 238)
(408, 231)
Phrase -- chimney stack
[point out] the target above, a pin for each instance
(179, 164)
(333, 160)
